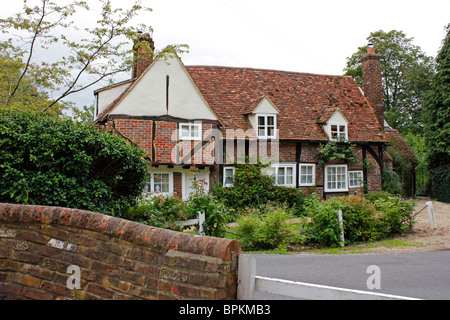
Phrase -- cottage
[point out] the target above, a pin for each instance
(195, 122)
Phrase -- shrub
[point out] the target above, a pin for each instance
(163, 211)
(160, 211)
(264, 228)
(395, 214)
(253, 189)
(391, 182)
(54, 162)
(217, 214)
(363, 220)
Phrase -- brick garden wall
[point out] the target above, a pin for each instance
(118, 259)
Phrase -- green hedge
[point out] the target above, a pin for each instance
(48, 161)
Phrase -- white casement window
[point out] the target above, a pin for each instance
(338, 131)
(336, 178)
(307, 174)
(190, 131)
(228, 176)
(282, 174)
(267, 126)
(160, 183)
(355, 179)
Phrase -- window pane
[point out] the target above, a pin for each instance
(185, 131)
(261, 131)
(270, 131)
(195, 132)
(261, 121)
(342, 129)
(270, 120)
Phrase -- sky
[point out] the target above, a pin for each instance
(301, 36)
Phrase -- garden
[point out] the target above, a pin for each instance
(263, 216)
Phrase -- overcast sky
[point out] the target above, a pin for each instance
(303, 36)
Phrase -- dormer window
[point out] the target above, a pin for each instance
(337, 126)
(338, 132)
(262, 115)
(266, 126)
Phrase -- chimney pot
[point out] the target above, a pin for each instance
(370, 48)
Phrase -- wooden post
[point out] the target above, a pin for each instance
(201, 220)
(341, 226)
(246, 277)
(431, 216)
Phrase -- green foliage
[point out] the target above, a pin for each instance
(217, 214)
(392, 182)
(252, 189)
(437, 124)
(406, 72)
(364, 220)
(163, 211)
(54, 162)
(340, 150)
(264, 228)
(160, 211)
(440, 178)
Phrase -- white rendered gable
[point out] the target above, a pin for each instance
(165, 88)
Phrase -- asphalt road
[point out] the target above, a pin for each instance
(424, 275)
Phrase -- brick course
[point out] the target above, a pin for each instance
(118, 259)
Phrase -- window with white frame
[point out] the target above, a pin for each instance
(355, 179)
(190, 131)
(266, 126)
(282, 174)
(338, 131)
(336, 178)
(160, 183)
(228, 176)
(307, 174)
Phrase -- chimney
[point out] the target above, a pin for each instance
(144, 50)
(372, 83)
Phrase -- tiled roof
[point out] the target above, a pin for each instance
(305, 100)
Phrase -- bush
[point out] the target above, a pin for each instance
(54, 162)
(253, 189)
(217, 214)
(264, 228)
(392, 182)
(161, 212)
(363, 220)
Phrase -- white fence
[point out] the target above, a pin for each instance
(200, 220)
(249, 283)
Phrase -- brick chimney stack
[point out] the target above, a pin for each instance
(372, 83)
(144, 50)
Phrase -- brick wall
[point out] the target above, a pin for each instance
(118, 259)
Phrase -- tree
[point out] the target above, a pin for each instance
(48, 161)
(437, 124)
(30, 95)
(103, 51)
(406, 76)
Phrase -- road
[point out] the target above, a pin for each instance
(424, 275)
